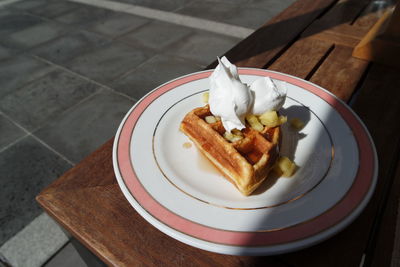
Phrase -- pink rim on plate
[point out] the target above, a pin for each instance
(359, 191)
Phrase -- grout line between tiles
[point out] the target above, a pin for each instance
(14, 122)
(86, 78)
(131, 70)
(37, 139)
(71, 107)
(53, 150)
(188, 21)
(13, 143)
(155, 51)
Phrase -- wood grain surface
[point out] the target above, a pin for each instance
(313, 39)
(263, 46)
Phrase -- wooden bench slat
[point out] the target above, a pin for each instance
(339, 18)
(370, 15)
(272, 38)
(377, 105)
(340, 72)
(382, 247)
(336, 38)
(293, 61)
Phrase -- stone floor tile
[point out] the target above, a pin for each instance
(17, 71)
(38, 102)
(15, 21)
(25, 169)
(202, 47)
(66, 257)
(170, 5)
(6, 52)
(216, 11)
(5, 12)
(233, 2)
(118, 24)
(69, 46)
(35, 35)
(275, 6)
(88, 125)
(224, 11)
(35, 244)
(154, 72)
(252, 18)
(53, 9)
(9, 132)
(157, 35)
(84, 15)
(106, 63)
(27, 4)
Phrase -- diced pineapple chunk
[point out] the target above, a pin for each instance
(285, 166)
(232, 137)
(236, 138)
(297, 123)
(205, 97)
(254, 123)
(210, 119)
(271, 119)
(237, 132)
(228, 136)
(218, 118)
(282, 119)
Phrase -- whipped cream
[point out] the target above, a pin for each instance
(267, 95)
(229, 98)
(232, 100)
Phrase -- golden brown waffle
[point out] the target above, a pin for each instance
(246, 162)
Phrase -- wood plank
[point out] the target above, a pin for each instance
(342, 25)
(347, 32)
(382, 42)
(371, 14)
(377, 105)
(382, 250)
(268, 41)
(346, 25)
(294, 62)
(336, 38)
(340, 72)
(339, 19)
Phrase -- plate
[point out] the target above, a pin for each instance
(171, 185)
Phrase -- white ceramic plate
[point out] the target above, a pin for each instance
(177, 190)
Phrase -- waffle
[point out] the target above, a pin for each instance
(246, 162)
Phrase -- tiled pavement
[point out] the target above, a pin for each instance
(69, 72)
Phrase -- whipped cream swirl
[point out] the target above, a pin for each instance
(229, 97)
(232, 100)
(267, 95)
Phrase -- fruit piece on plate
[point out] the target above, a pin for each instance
(205, 97)
(271, 119)
(210, 119)
(285, 166)
(232, 137)
(254, 123)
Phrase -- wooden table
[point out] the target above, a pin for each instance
(313, 40)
